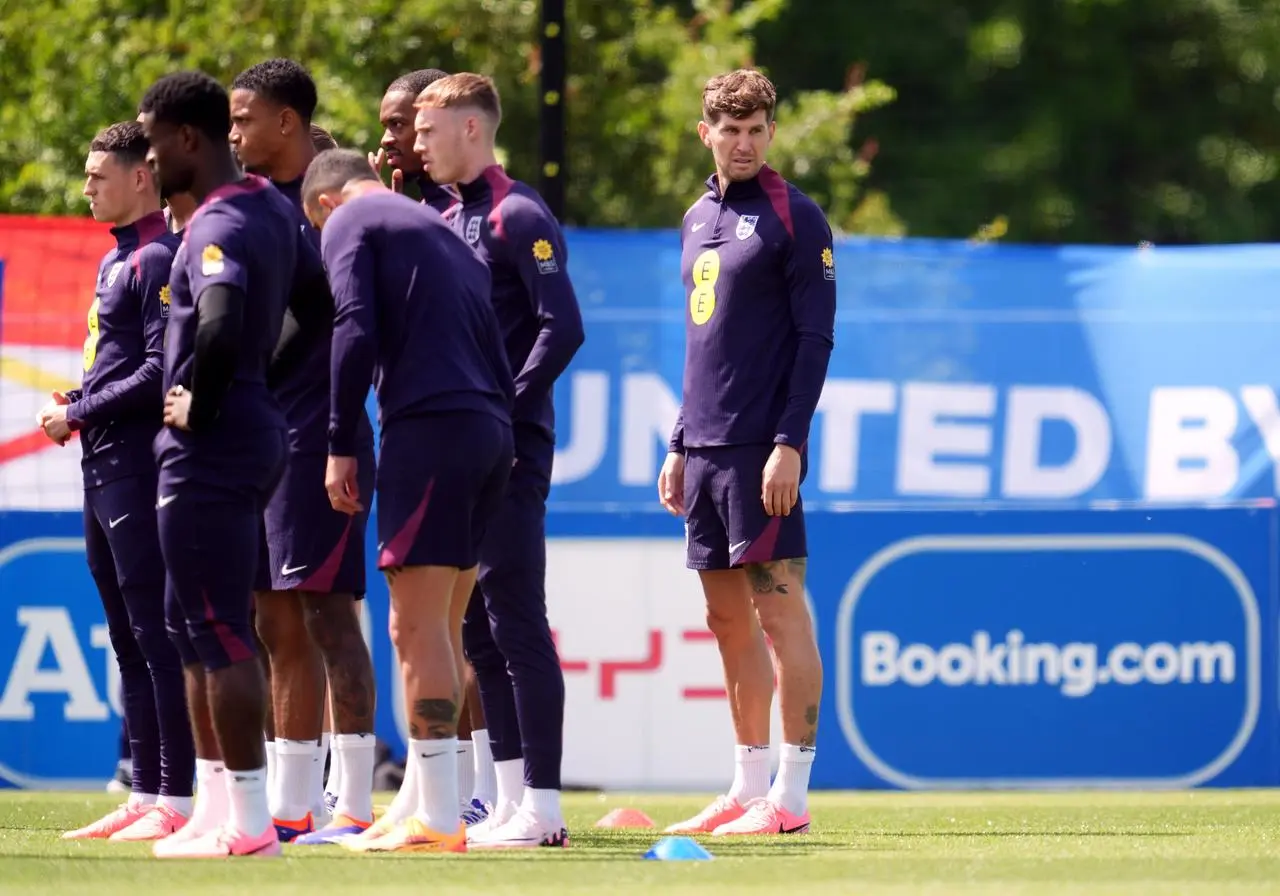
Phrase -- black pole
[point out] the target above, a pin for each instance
(552, 135)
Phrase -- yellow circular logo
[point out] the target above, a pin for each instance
(91, 340)
(702, 301)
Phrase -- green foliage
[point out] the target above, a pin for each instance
(1070, 120)
(637, 68)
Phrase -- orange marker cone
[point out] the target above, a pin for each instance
(625, 818)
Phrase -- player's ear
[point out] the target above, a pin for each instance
(288, 120)
(773, 126)
(704, 133)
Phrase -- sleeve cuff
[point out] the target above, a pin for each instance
(75, 422)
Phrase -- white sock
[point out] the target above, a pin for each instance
(142, 799)
(791, 788)
(437, 762)
(291, 800)
(543, 805)
(406, 799)
(273, 770)
(466, 771)
(485, 788)
(248, 797)
(334, 784)
(355, 792)
(179, 804)
(212, 804)
(510, 775)
(316, 788)
(750, 773)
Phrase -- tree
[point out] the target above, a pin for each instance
(1076, 120)
(633, 96)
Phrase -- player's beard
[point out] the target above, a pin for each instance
(178, 180)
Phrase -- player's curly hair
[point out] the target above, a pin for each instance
(124, 140)
(191, 98)
(283, 82)
(738, 94)
(416, 82)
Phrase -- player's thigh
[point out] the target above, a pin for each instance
(705, 531)
(102, 565)
(754, 535)
(433, 475)
(310, 546)
(133, 534)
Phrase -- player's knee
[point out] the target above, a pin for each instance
(730, 624)
(219, 643)
(181, 642)
(156, 646)
(331, 622)
(785, 619)
(279, 624)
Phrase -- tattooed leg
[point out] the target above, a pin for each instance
(334, 625)
(421, 601)
(778, 593)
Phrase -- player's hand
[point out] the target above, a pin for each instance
(177, 408)
(54, 423)
(340, 482)
(377, 160)
(397, 180)
(55, 399)
(781, 481)
(671, 484)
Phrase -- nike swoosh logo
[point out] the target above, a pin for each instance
(286, 571)
(796, 830)
(696, 227)
(113, 523)
(432, 755)
(165, 500)
(733, 548)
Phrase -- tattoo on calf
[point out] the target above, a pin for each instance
(439, 718)
(810, 737)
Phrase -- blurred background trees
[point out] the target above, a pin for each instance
(1032, 120)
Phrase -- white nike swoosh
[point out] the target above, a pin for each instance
(165, 500)
(114, 523)
(696, 227)
(733, 548)
(286, 571)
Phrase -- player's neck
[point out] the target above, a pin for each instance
(221, 170)
(292, 163)
(136, 214)
(484, 159)
(354, 189)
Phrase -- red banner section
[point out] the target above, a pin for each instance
(50, 266)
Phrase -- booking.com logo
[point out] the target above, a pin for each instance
(1051, 660)
(1074, 668)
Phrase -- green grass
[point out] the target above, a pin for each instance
(1212, 842)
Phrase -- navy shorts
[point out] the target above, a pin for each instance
(306, 544)
(441, 479)
(210, 511)
(725, 522)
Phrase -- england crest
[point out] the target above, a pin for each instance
(114, 273)
(746, 226)
(473, 230)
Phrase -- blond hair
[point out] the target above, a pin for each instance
(463, 90)
(738, 94)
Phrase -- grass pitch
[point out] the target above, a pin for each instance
(1216, 842)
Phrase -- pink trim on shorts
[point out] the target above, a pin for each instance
(762, 548)
(395, 550)
(236, 650)
(321, 580)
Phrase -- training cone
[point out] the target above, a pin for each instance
(625, 818)
(677, 849)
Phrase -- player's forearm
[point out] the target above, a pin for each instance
(219, 330)
(350, 375)
(808, 374)
(551, 355)
(138, 395)
(74, 395)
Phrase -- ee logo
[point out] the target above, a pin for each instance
(91, 340)
(702, 301)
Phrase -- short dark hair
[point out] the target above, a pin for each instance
(416, 82)
(322, 139)
(333, 169)
(190, 98)
(738, 94)
(124, 140)
(283, 82)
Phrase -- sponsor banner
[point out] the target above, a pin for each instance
(1045, 376)
(961, 648)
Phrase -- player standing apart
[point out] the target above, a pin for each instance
(507, 635)
(222, 450)
(117, 411)
(413, 315)
(314, 569)
(758, 269)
